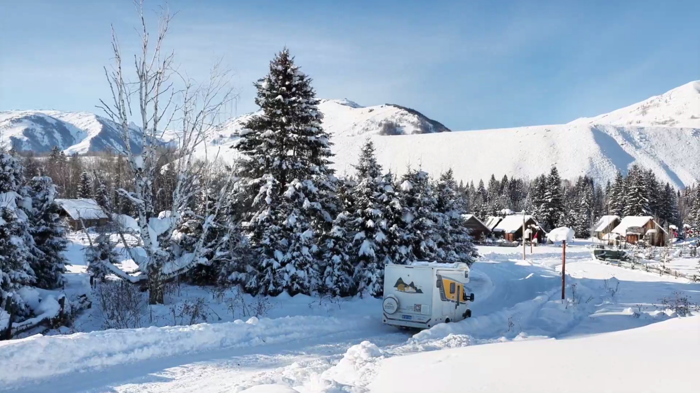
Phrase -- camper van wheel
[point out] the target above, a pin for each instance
(468, 314)
(447, 320)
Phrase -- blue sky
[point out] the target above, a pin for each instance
(468, 64)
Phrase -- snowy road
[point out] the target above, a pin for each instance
(515, 300)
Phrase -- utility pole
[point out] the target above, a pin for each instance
(523, 235)
(563, 270)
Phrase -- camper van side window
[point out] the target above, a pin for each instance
(452, 288)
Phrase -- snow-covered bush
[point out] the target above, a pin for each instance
(121, 304)
(680, 303)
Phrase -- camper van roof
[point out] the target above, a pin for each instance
(456, 265)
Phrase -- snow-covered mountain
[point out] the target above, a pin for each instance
(72, 132)
(661, 133)
(679, 107)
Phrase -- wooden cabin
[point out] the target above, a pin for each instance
(511, 228)
(477, 229)
(604, 227)
(636, 228)
(79, 212)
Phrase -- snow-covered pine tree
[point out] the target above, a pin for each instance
(367, 166)
(479, 202)
(636, 193)
(417, 198)
(583, 209)
(494, 199)
(669, 206)
(598, 202)
(616, 197)
(75, 170)
(286, 168)
(553, 205)
(338, 270)
(47, 232)
(454, 244)
(56, 167)
(85, 186)
(102, 195)
(17, 250)
(100, 253)
(367, 224)
(694, 213)
(653, 191)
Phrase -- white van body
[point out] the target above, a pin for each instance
(421, 295)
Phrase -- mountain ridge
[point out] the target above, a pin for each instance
(661, 133)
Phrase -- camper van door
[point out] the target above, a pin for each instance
(452, 292)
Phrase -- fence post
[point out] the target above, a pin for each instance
(563, 270)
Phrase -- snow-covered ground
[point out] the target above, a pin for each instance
(522, 336)
(656, 358)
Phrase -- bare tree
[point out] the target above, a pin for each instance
(192, 109)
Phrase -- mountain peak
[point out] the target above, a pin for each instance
(343, 101)
(679, 107)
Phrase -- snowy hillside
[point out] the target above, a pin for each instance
(598, 151)
(661, 133)
(73, 132)
(679, 107)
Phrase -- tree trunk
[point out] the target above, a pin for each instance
(155, 289)
(7, 334)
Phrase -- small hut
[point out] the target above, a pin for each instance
(477, 229)
(81, 211)
(604, 227)
(511, 228)
(636, 228)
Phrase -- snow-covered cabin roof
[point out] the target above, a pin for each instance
(633, 222)
(87, 209)
(511, 224)
(492, 221)
(473, 222)
(605, 222)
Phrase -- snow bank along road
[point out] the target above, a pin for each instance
(516, 301)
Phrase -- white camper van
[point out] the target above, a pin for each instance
(421, 295)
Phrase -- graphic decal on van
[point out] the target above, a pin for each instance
(401, 286)
(450, 290)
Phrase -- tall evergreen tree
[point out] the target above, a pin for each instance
(17, 250)
(636, 193)
(47, 232)
(418, 219)
(367, 166)
(454, 244)
(292, 188)
(552, 203)
(616, 197)
(100, 253)
(85, 186)
(371, 223)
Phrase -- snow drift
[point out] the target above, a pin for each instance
(40, 357)
(600, 363)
